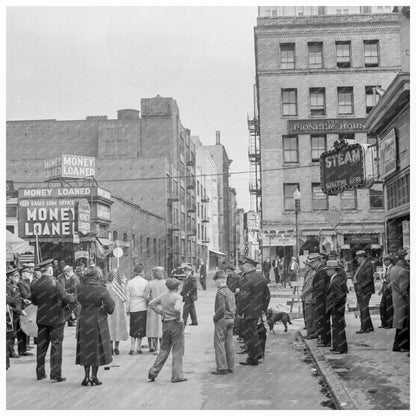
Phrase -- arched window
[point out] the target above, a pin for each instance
(125, 237)
(115, 235)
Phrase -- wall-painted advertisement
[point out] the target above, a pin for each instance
(69, 166)
(388, 154)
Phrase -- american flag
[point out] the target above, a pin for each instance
(118, 287)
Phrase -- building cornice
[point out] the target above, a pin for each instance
(326, 71)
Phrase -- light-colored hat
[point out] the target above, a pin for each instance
(312, 257)
(360, 253)
(66, 268)
(187, 267)
(333, 264)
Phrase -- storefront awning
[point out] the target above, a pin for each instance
(217, 252)
(105, 241)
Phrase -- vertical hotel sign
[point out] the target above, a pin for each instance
(388, 154)
(69, 166)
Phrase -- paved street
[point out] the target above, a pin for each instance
(285, 380)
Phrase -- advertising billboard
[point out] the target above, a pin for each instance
(347, 167)
(388, 154)
(69, 166)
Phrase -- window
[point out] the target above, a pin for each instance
(319, 199)
(115, 235)
(315, 54)
(370, 53)
(366, 9)
(317, 98)
(349, 200)
(125, 237)
(371, 97)
(398, 192)
(289, 201)
(376, 198)
(154, 247)
(141, 245)
(318, 146)
(290, 149)
(287, 55)
(289, 102)
(321, 10)
(345, 100)
(148, 246)
(343, 54)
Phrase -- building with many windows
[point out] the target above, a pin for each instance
(318, 74)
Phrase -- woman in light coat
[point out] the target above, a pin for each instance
(117, 320)
(136, 307)
(155, 288)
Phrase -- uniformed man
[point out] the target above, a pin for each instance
(50, 296)
(254, 298)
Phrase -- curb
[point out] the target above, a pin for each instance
(340, 395)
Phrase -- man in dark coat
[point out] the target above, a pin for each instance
(49, 295)
(266, 266)
(189, 295)
(276, 269)
(71, 286)
(320, 285)
(363, 281)
(254, 298)
(386, 302)
(335, 305)
(400, 281)
(203, 276)
(233, 279)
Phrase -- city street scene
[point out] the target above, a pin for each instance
(208, 208)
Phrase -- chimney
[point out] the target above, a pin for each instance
(218, 137)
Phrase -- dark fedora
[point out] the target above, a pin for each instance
(333, 264)
(11, 271)
(251, 261)
(44, 264)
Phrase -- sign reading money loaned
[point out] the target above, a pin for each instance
(69, 166)
(346, 167)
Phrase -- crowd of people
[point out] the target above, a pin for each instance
(106, 309)
(324, 296)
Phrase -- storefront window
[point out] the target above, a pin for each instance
(376, 198)
(349, 200)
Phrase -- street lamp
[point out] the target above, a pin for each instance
(296, 197)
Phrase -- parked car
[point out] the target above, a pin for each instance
(179, 273)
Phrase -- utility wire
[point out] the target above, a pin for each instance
(205, 175)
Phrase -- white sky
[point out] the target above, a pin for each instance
(70, 62)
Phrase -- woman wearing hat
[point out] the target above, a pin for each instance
(93, 335)
(155, 288)
(136, 307)
(335, 305)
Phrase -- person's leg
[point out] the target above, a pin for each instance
(253, 344)
(56, 336)
(219, 345)
(42, 348)
(389, 308)
(383, 310)
(229, 345)
(139, 345)
(165, 347)
(94, 378)
(366, 322)
(192, 311)
(185, 313)
(86, 375)
(178, 349)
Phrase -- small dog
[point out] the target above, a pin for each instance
(276, 316)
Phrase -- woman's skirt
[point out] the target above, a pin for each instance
(138, 324)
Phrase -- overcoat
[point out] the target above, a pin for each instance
(399, 278)
(117, 322)
(154, 289)
(254, 295)
(365, 279)
(337, 294)
(189, 289)
(50, 297)
(93, 335)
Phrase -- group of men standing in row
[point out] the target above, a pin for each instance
(325, 292)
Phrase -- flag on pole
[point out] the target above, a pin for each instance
(118, 287)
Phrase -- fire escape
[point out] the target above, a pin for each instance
(254, 156)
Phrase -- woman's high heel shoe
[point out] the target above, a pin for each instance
(94, 380)
(85, 382)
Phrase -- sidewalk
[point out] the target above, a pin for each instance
(370, 376)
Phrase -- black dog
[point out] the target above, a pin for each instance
(274, 316)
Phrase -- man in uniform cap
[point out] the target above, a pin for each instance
(189, 296)
(335, 305)
(169, 306)
(253, 300)
(49, 295)
(363, 281)
(24, 286)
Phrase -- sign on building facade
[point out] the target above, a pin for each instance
(388, 154)
(69, 166)
(347, 167)
(325, 126)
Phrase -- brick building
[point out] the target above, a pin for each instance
(148, 163)
(317, 71)
(389, 121)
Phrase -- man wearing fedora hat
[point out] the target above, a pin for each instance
(335, 305)
(312, 262)
(49, 295)
(253, 300)
(189, 296)
(363, 281)
(386, 302)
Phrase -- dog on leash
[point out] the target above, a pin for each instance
(276, 316)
